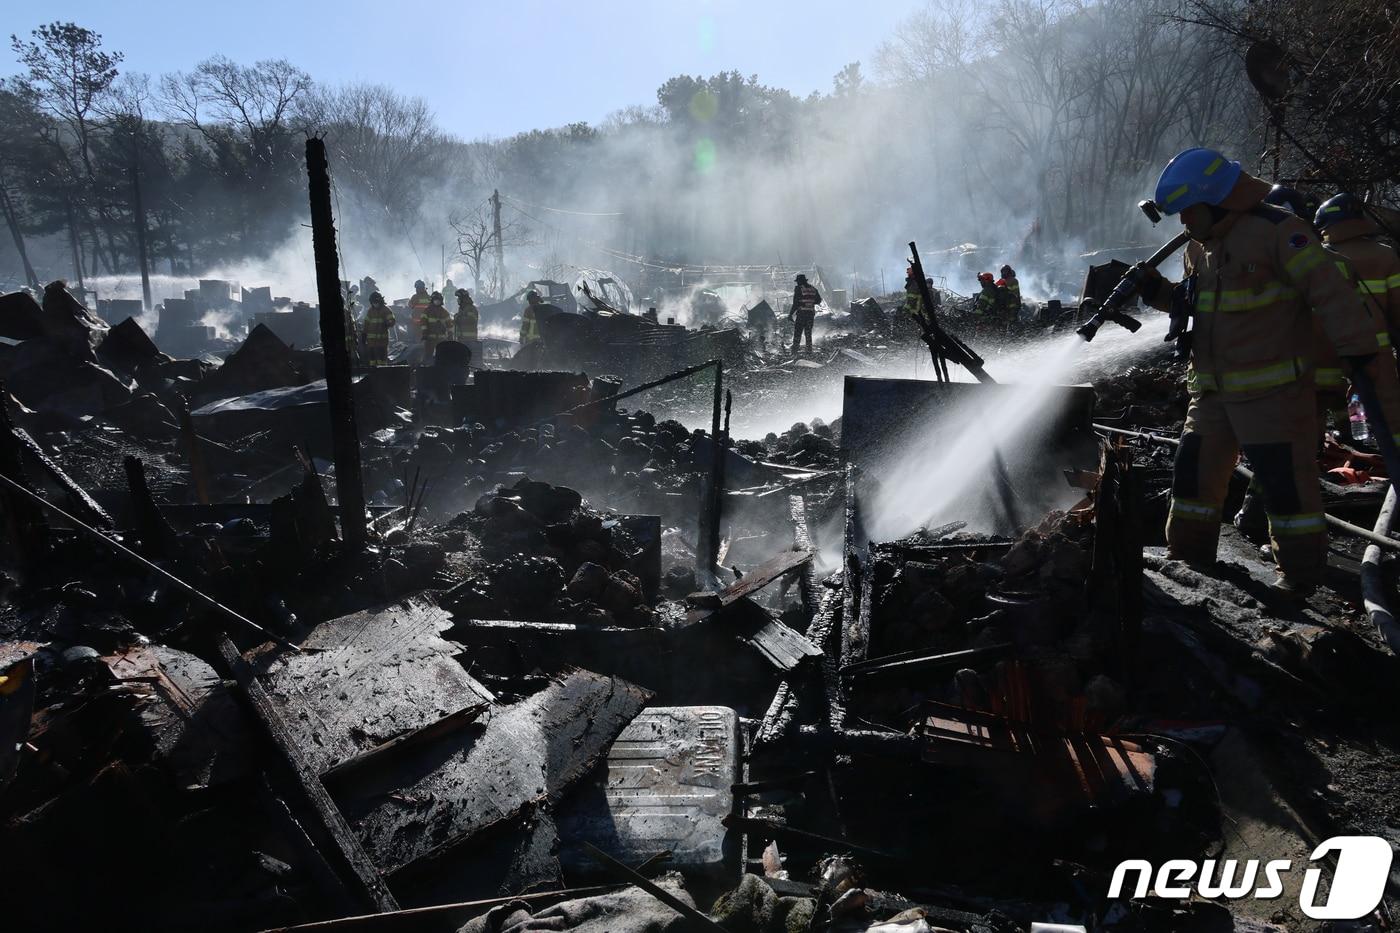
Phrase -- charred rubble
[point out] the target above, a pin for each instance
(594, 669)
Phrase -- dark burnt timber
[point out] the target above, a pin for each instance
(368, 678)
(27, 529)
(21, 449)
(751, 583)
(156, 535)
(708, 554)
(518, 757)
(358, 872)
(349, 485)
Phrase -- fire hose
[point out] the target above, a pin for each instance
(1373, 591)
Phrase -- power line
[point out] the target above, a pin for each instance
(559, 210)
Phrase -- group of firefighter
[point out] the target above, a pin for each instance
(429, 317)
(1294, 309)
(1291, 310)
(997, 300)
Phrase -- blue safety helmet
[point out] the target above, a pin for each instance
(1290, 199)
(1338, 208)
(1196, 176)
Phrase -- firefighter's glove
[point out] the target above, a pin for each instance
(1149, 281)
(1178, 324)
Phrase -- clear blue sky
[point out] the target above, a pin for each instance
(492, 69)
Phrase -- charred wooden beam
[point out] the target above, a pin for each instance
(24, 519)
(194, 449)
(345, 438)
(708, 554)
(347, 855)
(802, 541)
(156, 536)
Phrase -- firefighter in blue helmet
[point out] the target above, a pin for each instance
(1260, 275)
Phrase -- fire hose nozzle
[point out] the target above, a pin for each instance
(1090, 328)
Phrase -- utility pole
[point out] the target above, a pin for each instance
(345, 437)
(139, 208)
(12, 220)
(500, 250)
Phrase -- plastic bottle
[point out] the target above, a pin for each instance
(1360, 431)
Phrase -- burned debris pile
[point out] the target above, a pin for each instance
(596, 669)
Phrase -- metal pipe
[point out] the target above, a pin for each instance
(1375, 537)
(1373, 592)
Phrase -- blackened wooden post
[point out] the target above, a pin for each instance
(709, 520)
(345, 436)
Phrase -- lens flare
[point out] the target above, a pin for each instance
(705, 156)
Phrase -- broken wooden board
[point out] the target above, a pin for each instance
(192, 720)
(779, 645)
(442, 793)
(78, 499)
(753, 581)
(802, 541)
(338, 843)
(366, 678)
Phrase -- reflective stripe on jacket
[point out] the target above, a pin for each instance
(466, 323)
(529, 326)
(1330, 374)
(1013, 293)
(378, 320)
(437, 323)
(805, 298)
(1377, 268)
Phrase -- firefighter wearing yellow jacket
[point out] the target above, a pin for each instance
(1258, 274)
(1329, 375)
(379, 324)
(1346, 229)
(436, 326)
